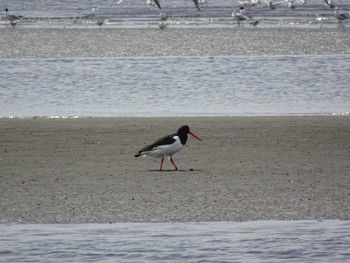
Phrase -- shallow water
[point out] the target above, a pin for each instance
(259, 241)
(176, 86)
(182, 13)
(170, 86)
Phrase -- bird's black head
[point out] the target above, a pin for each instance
(182, 133)
(183, 130)
(6, 10)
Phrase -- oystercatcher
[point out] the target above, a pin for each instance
(168, 145)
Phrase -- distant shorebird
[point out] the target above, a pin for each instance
(341, 16)
(241, 16)
(12, 18)
(148, 2)
(168, 146)
(156, 2)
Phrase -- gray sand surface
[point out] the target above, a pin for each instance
(69, 43)
(246, 168)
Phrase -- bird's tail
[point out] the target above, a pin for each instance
(137, 155)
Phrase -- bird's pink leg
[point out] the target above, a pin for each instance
(172, 161)
(161, 164)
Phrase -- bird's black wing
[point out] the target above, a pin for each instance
(169, 139)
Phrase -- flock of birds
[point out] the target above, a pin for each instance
(238, 15)
(241, 16)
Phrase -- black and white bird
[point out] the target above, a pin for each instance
(168, 145)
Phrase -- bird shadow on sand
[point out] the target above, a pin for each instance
(172, 170)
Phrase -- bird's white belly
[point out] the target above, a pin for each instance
(166, 150)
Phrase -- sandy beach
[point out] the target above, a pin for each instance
(246, 168)
(105, 42)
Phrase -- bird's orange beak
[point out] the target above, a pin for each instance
(195, 136)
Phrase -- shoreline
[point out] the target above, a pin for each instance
(245, 169)
(24, 117)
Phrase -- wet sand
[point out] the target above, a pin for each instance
(246, 168)
(105, 42)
